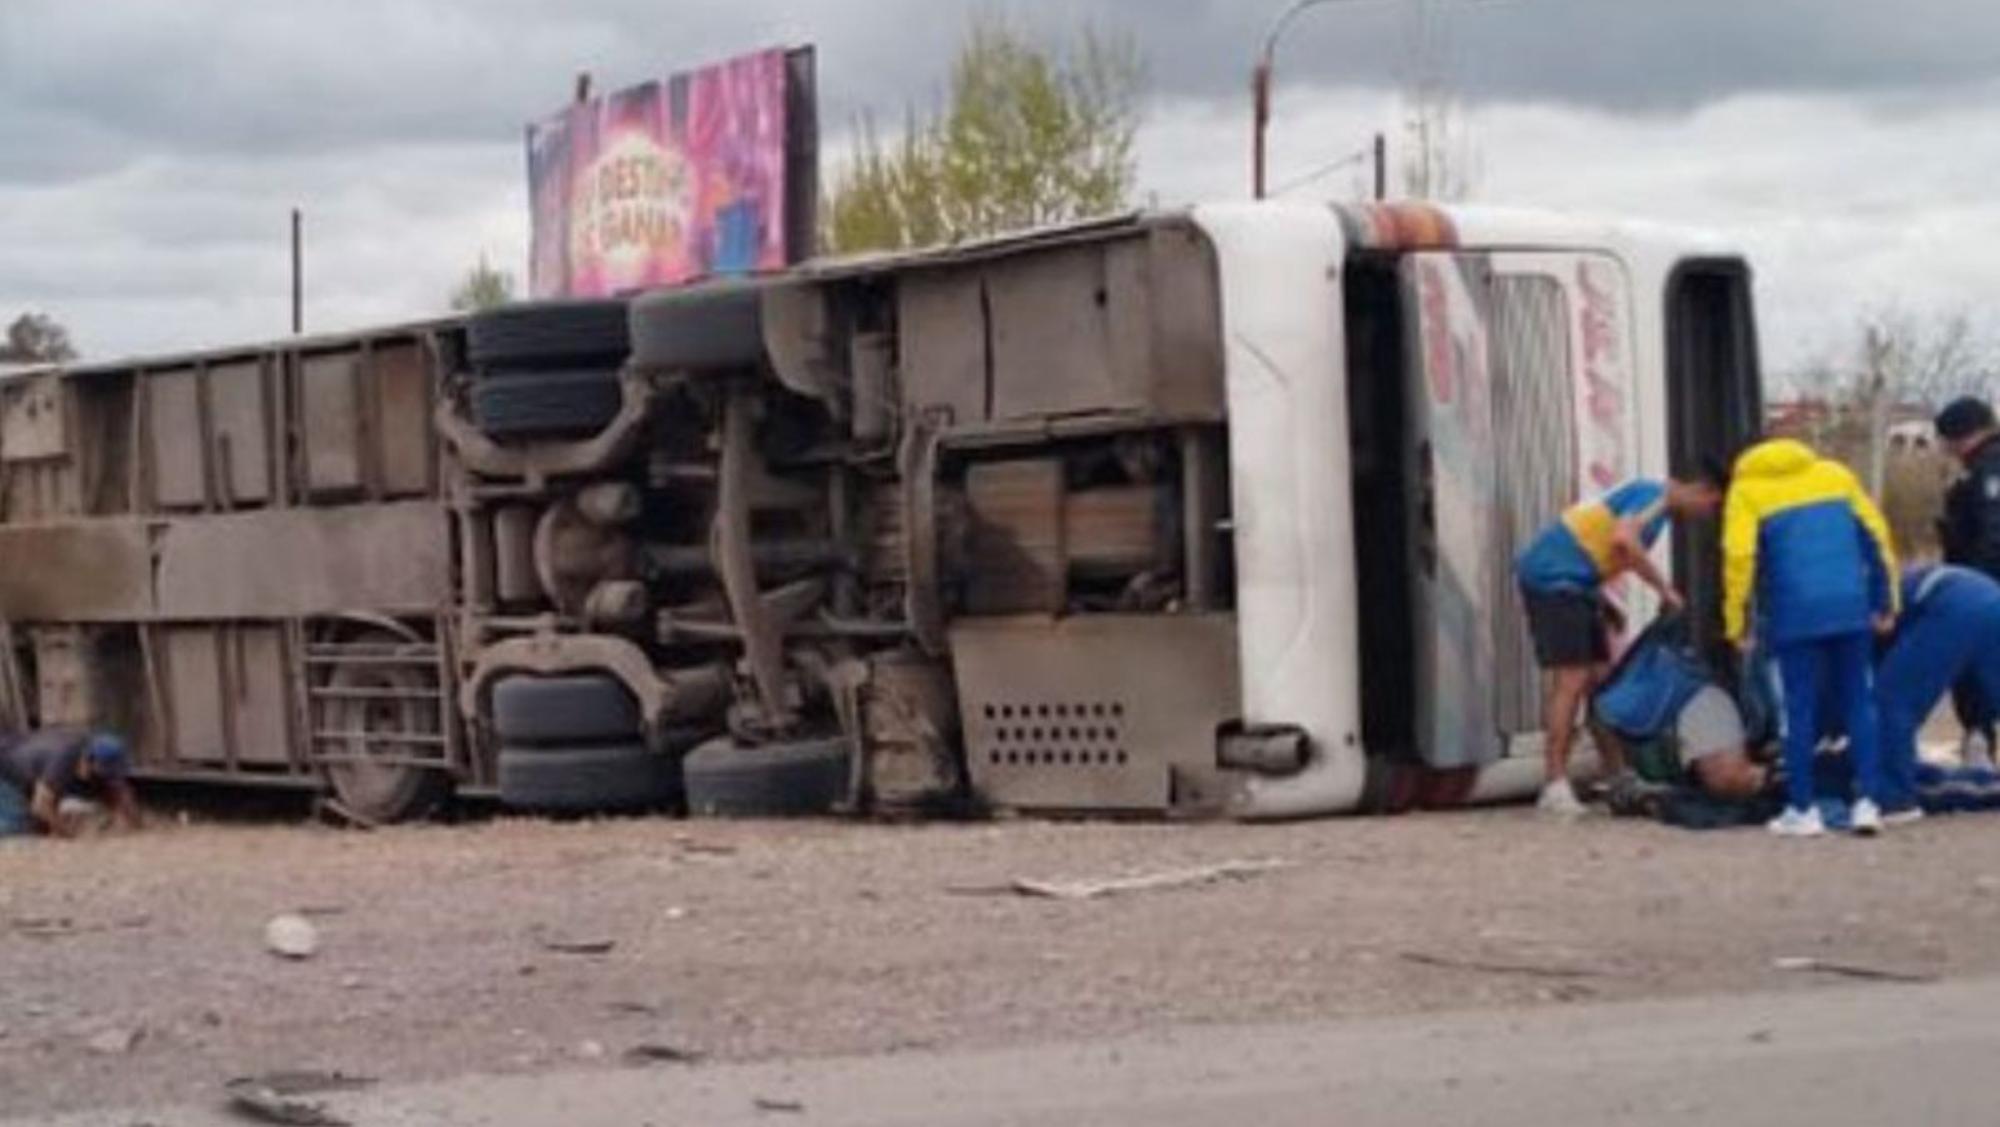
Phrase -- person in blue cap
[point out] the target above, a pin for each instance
(39, 769)
(1970, 529)
(1949, 633)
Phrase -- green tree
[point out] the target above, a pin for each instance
(36, 338)
(483, 287)
(1030, 134)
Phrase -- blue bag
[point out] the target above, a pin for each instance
(1644, 693)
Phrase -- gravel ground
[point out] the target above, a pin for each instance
(748, 941)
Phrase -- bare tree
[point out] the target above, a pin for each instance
(36, 338)
(1897, 360)
(1440, 156)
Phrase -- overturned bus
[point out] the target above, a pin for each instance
(1195, 513)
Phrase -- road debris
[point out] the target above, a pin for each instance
(639, 1009)
(1150, 882)
(291, 937)
(115, 1042)
(62, 927)
(1818, 965)
(1534, 970)
(763, 1103)
(653, 1052)
(563, 946)
(287, 1097)
(44, 927)
(709, 848)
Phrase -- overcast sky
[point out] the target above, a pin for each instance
(150, 149)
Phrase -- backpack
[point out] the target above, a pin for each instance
(1642, 696)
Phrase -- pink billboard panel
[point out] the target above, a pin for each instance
(664, 182)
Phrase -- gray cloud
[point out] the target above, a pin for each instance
(150, 148)
(86, 86)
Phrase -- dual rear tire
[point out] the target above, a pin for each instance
(547, 368)
(572, 745)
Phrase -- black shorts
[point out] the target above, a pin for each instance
(1568, 628)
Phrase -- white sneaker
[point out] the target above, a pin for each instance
(1559, 801)
(1973, 752)
(1865, 818)
(1903, 817)
(1798, 823)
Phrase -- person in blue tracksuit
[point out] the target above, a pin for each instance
(1949, 633)
(1804, 545)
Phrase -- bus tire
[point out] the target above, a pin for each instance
(565, 402)
(578, 708)
(587, 779)
(712, 327)
(725, 779)
(388, 792)
(548, 334)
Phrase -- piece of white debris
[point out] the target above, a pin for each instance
(1177, 878)
(114, 1042)
(292, 937)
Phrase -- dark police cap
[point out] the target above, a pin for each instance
(1962, 418)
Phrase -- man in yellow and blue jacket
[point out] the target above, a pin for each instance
(1807, 551)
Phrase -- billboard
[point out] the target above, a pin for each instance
(714, 171)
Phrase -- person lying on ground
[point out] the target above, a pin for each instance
(39, 769)
(1949, 634)
(1675, 723)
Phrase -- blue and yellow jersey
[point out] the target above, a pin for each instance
(1800, 534)
(1578, 552)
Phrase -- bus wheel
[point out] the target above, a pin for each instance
(725, 779)
(379, 715)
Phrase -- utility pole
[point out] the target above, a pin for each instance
(1381, 167)
(298, 272)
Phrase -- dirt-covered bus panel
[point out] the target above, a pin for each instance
(1204, 512)
(217, 553)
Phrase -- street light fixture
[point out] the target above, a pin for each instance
(1260, 91)
(1260, 83)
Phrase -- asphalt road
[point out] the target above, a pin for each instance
(1839, 1054)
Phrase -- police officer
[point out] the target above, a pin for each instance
(1970, 530)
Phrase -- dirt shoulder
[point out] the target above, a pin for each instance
(746, 941)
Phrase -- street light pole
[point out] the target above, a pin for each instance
(1260, 87)
(1260, 99)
